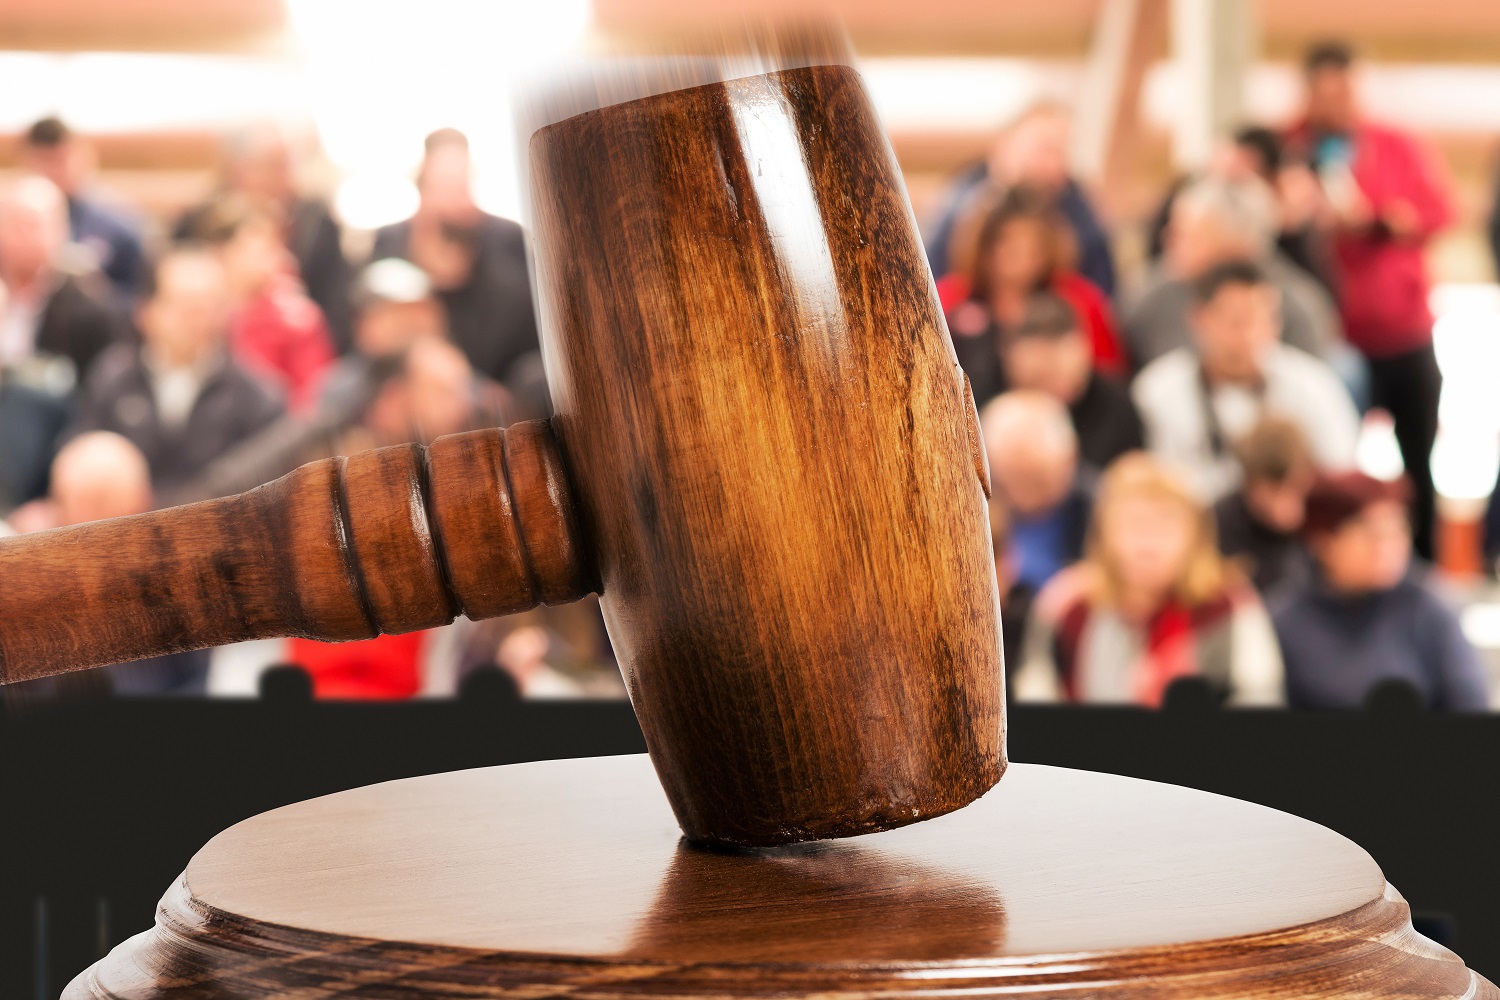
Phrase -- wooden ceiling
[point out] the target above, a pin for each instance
(1423, 30)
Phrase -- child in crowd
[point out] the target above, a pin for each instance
(1151, 602)
(1260, 523)
(1365, 616)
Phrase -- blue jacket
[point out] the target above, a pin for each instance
(1337, 647)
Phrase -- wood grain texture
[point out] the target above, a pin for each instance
(389, 540)
(569, 878)
(774, 455)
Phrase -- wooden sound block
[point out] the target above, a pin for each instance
(570, 878)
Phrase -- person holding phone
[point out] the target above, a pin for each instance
(1383, 198)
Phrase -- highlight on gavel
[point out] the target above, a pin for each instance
(764, 458)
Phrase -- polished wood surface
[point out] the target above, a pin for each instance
(389, 540)
(766, 459)
(570, 878)
(775, 456)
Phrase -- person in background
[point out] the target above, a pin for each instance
(434, 394)
(1197, 404)
(1047, 351)
(1260, 523)
(1216, 221)
(31, 421)
(257, 169)
(109, 235)
(1152, 601)
(477, 265)
(1384, 198)
(1366, 616)
(1256, 151)
(1015, 602)
(1020, 250)
(395, 311)
(178, 396)
(97, 476)
(276, 331)
(1034, 470)
(53, 324)
(1033, 153)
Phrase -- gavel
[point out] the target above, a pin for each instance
(764, 458)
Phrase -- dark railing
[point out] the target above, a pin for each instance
(104, 802)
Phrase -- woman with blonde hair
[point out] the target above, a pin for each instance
(1151, 602)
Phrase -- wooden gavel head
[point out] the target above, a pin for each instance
(764, 457)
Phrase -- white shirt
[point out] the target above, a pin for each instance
(1169, 395)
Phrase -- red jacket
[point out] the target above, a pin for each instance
(1080, 293)
(280, 335)
(1382, 279)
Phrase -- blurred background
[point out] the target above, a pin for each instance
(236, 235)
(1221, 274)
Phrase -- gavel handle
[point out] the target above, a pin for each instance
(390, 540)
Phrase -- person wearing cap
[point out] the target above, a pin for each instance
(1048, 352)
(1365, 616)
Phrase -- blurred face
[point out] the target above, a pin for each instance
(60, 164)
(1280, 506)
(33, 230)
(96, 477)
(1330, 99)
(1236, 329)
(1035, 152)
(1058, 366)
(264, 171)
(388, 328)
(1369, 552)
(185, 320)
(1030, 477)
(1147, 540)
(1019, 260)
(447, 185)
(434, 397)
(254, 257)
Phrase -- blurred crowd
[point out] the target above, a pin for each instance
(1172, 451)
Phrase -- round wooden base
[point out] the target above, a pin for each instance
(570, 878)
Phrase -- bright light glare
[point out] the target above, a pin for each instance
(933, 94)
(369, 201)
(1481, 625)
(1376, 453)
(1466, 337)
(384, 73)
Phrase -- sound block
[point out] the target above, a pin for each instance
(570, 877)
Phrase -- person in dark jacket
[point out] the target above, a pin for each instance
(31, 420)
(477, 264)
(1032, 152)
(258, 170)
(1260, 523)
(178, 396)
(51, 322)
(111, 238)
(1365, 617)
(1048, 351)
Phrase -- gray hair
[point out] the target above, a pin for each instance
(1246, 206)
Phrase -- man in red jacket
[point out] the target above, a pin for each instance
(1385, 198)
